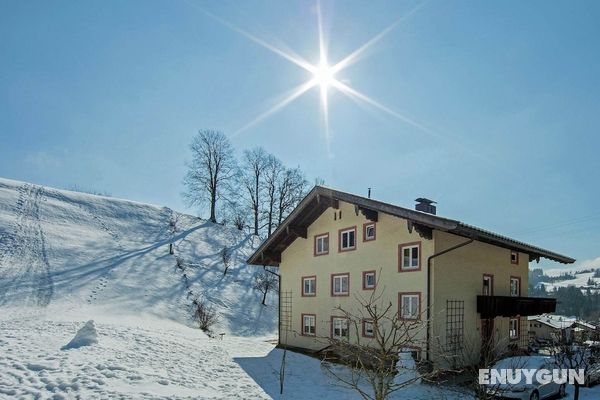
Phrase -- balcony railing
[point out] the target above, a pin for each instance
(509, 306)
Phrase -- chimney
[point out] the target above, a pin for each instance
(425, 205)
(369, 195)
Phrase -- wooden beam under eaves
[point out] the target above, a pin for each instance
(301, 231)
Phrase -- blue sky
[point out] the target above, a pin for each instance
(107, 94)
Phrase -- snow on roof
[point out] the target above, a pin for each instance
(553, 321)
(560, 321)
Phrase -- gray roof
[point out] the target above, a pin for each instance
(320, 198)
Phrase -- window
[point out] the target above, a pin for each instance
(309, 324)
(513, 330)
(309, 285)
(367, 328)
(340, 284)
(488, 285)
(514, 257)
(410, 255)
(369, 280)
(347, 240)
(410, 306)
(368, 231)
(515, 286)
(339, 328)
(322, 244)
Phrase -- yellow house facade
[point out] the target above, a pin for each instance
(457, 284)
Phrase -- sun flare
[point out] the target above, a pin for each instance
(323, 75)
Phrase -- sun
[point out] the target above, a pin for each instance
(323, 75)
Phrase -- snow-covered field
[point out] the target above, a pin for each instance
(580, 281)
(147, 358)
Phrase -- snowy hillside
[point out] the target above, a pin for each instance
(583, 278)
(67, 250)
(68, 257)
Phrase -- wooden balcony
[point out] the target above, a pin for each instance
(509, 306)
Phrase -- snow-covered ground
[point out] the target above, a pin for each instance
(135, 358)
(66, 258)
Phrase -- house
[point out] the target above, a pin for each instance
(550, 327)
(468, 283)
(547, 327)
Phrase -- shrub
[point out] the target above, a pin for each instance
(204, 314)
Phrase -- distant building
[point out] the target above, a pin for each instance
(550, 327)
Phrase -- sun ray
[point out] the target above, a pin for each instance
(347, 90)
(287, 99)
(288, 55)
(356, 54)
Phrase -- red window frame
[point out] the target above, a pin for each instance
(325, 234)
(332, 286)
(401, 248)
(364, 332)
(302, 286)
(365, 225)
(302, 324)
(340, 231)
(400, 295)
(364, 280)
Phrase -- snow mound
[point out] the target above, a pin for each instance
(85, 336)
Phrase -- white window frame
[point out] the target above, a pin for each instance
(311, 318)
(341, 239)
(411, 248)
(320, 240)
(367, 237)
(313, 286)
(490, 279)
(365, 276)
(513, 332)
(518, 286)
(412, 299)
(340, 277)
(516, 257)
(339, 324)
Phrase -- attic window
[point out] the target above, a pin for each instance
(322, 244)
(514, 257)
(347, 239)
(368, 232)
(409, 257)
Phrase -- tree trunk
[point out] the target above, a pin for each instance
(576, 393)
(264, 298)
(256, 193)
(213, 204)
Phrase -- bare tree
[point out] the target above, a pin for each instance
(272, 176)
(379, 360)
(253, 167)
(291, 189)
(265, 282)
(572, 355)
(226, 258)
(212, 168)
